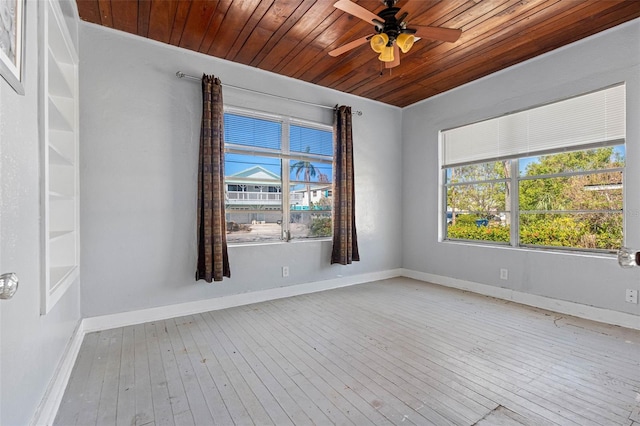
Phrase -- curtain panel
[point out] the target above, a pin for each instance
(213, 260)
(345, 240)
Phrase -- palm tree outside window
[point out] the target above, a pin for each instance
(308, 171)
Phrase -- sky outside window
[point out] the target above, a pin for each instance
(236, 163)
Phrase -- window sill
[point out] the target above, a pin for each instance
(281, 242)
(498, 246)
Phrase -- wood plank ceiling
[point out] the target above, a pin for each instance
(292, 37)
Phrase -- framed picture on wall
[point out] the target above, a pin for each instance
(11, 42)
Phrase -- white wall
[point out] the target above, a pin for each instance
(601, 60)
(31, 345)
(140, 128)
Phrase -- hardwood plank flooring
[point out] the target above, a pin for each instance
(398, 352)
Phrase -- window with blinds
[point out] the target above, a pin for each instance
(547, 177)
(278, 175)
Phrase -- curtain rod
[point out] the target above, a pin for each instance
(180, 74)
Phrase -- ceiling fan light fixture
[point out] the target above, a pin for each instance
(379, 42)
(392, 34)
(387, 54)
(405, 42)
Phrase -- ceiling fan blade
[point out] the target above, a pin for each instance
(356, 10)
(351, 45)
(438, 33)
(396, 58)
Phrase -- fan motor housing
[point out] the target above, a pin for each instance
(390, 26)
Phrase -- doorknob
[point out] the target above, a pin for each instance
(8, 285)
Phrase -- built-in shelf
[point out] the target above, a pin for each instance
(60, 78)
(55, 157)
(59, 274)
(63, 143)
(61, 113)
(58, 196)
(54, 235)
(59, 109)
(62, 179)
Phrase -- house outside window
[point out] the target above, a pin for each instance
(549, 177)
(265, 153)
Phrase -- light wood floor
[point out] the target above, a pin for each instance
(391, 352)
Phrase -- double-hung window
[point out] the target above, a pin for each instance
(278, 177)
(548, 177)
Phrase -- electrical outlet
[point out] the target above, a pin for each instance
(285, 271)
(631, 296)
(504, 274)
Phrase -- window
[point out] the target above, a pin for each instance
(265, 153)
(549, 177)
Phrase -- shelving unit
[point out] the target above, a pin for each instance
(59, 120)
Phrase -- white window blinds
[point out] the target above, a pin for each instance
(594, 118)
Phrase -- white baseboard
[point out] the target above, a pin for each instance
(48, 408)
(106, 322)
(561, 306)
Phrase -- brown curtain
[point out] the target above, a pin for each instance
(213, 260)
(345, 240)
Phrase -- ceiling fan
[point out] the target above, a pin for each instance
(392, 34)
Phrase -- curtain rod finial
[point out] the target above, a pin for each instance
(179, 74)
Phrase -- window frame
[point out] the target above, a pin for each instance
(444, 212)
(286, 156)
(514, 207)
